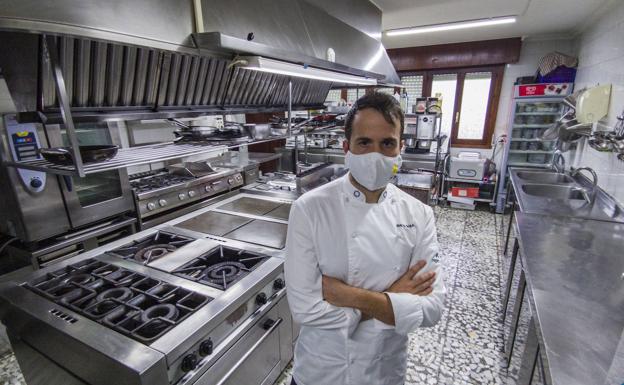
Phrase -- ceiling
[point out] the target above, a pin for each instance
(536, 19)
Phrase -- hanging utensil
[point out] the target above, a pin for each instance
(600, 142)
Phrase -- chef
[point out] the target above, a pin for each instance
(362, 266)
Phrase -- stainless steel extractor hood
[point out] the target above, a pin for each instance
(143, 59)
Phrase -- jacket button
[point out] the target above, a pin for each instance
(354, 235)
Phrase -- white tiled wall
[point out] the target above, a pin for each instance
(601, 61)
(531, 53)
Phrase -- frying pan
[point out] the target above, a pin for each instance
(62, 155)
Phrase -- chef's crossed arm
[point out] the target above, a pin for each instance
(304, 280)
(414, 300)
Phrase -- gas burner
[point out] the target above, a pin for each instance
(224, 272)
(153, 252)
(158, 181)
(151, 248)
(133, 304)
(221, 267)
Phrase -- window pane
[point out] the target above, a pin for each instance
(413, 85)
(474, 105)
(445, 85)
(333, 96)
(354, 94)
(385, 90)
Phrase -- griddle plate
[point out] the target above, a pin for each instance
(281, 212)
(214, 223)
(263, 233)
(251, 206)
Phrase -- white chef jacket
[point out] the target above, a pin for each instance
(333, 231)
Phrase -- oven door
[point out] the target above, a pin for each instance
(255, 358)
(96, 196)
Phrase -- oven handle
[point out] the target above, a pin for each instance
(270, 326)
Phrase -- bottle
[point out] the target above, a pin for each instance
(404, 100)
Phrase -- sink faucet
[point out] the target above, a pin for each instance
(577, 171)
(558, 162)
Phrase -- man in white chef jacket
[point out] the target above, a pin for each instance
(362, 267)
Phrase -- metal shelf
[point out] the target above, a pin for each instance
(530, 140)
(541, 113)
(531, 152)
(474, 199)
(135, 156)
(527, 164)
(469, 181)
(533, 125)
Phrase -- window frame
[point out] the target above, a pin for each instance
(491, 110)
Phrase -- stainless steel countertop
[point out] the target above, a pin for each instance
(573, 269)
(605, 207)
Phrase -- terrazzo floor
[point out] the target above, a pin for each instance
(466, 345)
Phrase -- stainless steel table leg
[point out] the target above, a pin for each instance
(529, 358)
(512, 265)
(510, 338)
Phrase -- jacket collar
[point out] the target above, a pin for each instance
(353, 193)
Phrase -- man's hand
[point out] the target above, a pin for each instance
(414, 283)
(336, 292)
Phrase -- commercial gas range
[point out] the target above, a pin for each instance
(197, 300)
(161, 191)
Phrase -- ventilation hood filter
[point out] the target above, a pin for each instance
(258, 63)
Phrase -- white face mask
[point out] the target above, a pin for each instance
(373, 170)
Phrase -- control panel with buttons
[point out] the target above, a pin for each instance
(24, 143)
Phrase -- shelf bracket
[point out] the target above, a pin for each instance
(50, 50)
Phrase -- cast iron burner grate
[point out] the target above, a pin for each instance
(133, 304)
(151, 248)
(155, 182)
(221, 267)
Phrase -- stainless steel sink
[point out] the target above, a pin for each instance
(545, 177)
(554, 191)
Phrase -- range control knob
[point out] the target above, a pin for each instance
(189, 362)
(278, 284)
(230, 180)
(208, 188)
(36, 183)
(205, 348)
(261, 299)
(192, 193)
(182, 196)
(151, 206)
(162, 203)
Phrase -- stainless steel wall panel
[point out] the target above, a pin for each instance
(98, 74)
(222, 83)
(154, 68)
(208, 82)
(114, 74)
(193, 79)
(66, 59)
(202, 74)
(174, 76)
(140, 77)
(185, 70)
(163, 81)
(128, 75)
(82, 67)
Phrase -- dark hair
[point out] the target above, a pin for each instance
(386, 104)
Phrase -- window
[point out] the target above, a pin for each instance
(414, 87)
(354, 94)
(474, 105)
(469, 101)
(333, 96)
(446, 86)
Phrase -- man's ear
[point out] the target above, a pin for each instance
(345, 145)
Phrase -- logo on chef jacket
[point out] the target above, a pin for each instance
(436, 258)
(405, 226)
